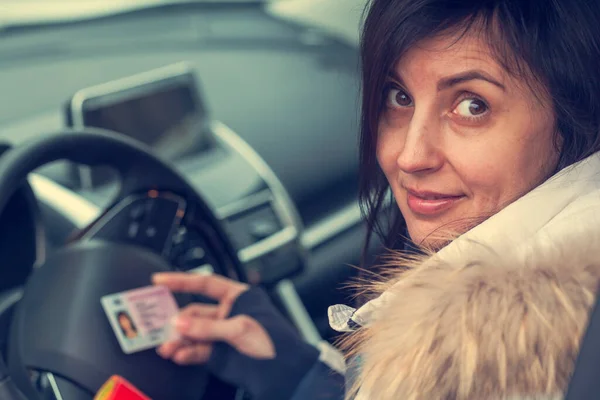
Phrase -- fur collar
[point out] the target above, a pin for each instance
(500, 311)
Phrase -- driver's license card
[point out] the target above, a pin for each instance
(141, 318)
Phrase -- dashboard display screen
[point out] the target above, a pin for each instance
(166, 116)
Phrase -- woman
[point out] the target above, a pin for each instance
(127, 326)
(482, 119)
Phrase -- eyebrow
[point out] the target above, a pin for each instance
(450, 81)
(454, 80)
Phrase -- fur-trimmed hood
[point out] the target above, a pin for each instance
(500, 311)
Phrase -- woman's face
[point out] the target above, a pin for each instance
(460, 138)
(125, 322)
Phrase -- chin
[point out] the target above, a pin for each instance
(433, 236)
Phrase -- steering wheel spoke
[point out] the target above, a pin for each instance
(148, 220)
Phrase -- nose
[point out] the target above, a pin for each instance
(422, 150)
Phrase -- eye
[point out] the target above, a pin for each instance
(397, 98)
(471, 108)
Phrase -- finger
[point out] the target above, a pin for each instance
(213, 286)
(206, 329)
(242, 332)
(168, 349)
(193, 354)
(199, 310)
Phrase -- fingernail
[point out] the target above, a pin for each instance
(157, 277)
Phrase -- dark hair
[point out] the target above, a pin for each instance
(553, 44)
(126, 315)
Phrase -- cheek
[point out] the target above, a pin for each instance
(484, 179)
(508, 170)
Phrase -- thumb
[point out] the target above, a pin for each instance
(251, 338)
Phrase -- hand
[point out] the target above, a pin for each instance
(200, 325)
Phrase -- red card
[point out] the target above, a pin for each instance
(118, 388)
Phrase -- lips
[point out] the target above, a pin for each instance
(431, 203)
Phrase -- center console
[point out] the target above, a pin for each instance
(164, 109)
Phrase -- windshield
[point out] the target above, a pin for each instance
(23, 12)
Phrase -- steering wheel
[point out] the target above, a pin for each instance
(59, 325)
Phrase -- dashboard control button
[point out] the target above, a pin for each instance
(197, 253)
(133, 230)
(205, 269)
(262, 229)
(150, 232)
(193, 257)
(180, 235)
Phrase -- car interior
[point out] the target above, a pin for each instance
(203, 136)
(200, 136)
